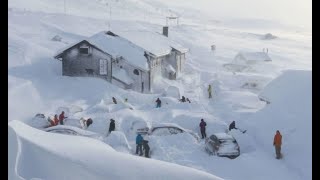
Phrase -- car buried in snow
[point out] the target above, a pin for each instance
(71, 130)
(223, 145)
(164, 129)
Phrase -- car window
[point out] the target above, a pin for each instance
(161, 131)
(63, 131)
(213, 137)
(174, 130)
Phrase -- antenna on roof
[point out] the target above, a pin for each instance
(109, 22)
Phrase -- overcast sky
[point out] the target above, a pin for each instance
(294, 12)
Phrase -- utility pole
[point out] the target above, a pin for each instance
(65, 7)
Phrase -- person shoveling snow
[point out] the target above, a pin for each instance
(233, 126)
(85, 123)
(62, 117)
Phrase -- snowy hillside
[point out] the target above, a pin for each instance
(38, 29)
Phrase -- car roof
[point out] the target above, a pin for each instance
(72, 128)
(163, 125)
(223, 136)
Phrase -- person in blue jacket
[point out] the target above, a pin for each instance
(139, 140)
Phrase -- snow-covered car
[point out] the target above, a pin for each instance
(70, 130)
(223, 145)
(166, 129)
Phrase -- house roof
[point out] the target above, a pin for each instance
(117, 46)
(153, 42)
(131, 45)
(254, 56)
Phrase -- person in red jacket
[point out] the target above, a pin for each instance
(61, 117)
(277, 141)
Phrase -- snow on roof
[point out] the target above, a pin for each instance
(117, 46)
(254, 56)
(122, 75)
(153, 42)
(132, 45)
(61, 50)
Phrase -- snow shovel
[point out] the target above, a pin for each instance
(242, 130)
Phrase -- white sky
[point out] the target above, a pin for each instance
(294, 12)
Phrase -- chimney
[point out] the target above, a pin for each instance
(165, 30)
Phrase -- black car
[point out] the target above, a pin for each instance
(222, 144)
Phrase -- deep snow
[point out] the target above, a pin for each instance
(36, 86)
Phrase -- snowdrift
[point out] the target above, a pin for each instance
(82, 158)
(289, 111)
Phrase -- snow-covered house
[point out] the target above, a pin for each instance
(131, 60)
(251, 57)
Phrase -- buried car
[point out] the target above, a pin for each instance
(164, 129)
(70, 130)
(223, 145)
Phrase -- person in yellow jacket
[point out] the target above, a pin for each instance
(277, 141)
(209, 91)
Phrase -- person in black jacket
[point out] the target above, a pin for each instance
(114, 100)
(89, 122)
(158, 101)
(146, 148)
(112, 125)
(232, 125)
(183, 99)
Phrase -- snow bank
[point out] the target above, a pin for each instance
(25, 101)
(290, 112)
(172, 91)
(122, 75)
(82, 158)
(118, 141)
(250, 57)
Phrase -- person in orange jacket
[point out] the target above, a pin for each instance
(56, 120)
(277, 141)
(53, 122)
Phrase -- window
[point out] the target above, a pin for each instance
(103, 67)
(84, 50)
(136, 72)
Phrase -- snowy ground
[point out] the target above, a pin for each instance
(36, 86)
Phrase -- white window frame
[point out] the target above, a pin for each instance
(84, 46)
(103, 67)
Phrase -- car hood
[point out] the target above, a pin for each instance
(228, 148)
